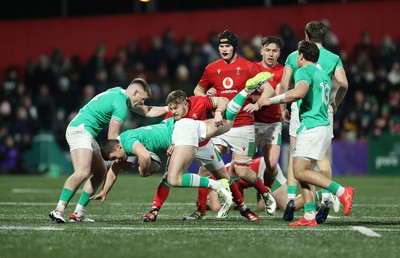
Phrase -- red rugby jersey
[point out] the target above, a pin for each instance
(229, 80)
(272, 113)
(198, 106)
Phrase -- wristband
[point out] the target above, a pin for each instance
(218, 110)
(278, 99)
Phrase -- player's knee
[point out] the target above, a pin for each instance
(173, 181)
(242, 166)
(81, 175)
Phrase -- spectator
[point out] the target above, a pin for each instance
(97, 62)
(22, 129)
(45, 105)
(182, 80)
(9, 156)
(394, 74)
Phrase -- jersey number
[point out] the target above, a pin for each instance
(325, 93)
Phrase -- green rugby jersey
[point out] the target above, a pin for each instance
(327, 60)
(313, 108)
(156, 138)
(98, 112)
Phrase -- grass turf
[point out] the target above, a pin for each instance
(27, 231)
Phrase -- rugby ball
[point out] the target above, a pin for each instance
(155, 163)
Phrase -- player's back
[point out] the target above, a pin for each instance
(327, 60)
(97, 113)
(313, 108)
(156, 138)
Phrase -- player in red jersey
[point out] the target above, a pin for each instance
(228, 76)
(196, 107)
(268, 120)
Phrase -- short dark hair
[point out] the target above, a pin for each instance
(316, 31)
(309, 50)
(272, 40)
(176, 96)
(106, 147)
(145, 86)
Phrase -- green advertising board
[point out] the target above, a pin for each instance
(384, 155)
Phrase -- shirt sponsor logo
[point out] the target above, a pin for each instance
(227, 83)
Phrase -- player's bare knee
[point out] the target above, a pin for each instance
(173, 181)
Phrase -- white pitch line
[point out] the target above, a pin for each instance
(32, 228)
(36, 191)
(374, 234)
(366, 231)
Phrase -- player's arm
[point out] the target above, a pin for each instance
(199, 91)
(284, 86)
(150, 111)
(340, 76)
(144, 159)
(113, 129)
(292, 95)
(267, 91)
(219, 105)
(111, 177)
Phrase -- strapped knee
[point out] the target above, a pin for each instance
(242, 162)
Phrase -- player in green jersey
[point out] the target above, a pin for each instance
(105, 110)
(312, 87)
(315, 31)
(184, 135)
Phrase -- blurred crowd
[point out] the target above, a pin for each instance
(47, 94)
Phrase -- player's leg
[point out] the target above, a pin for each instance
(160, 196)
(80, 143)
(81, 160)
(186, 136)
(324, 167)
(312, 144)
(202, 194)
(304, 166)
(288, 215)
(269, 137)
(99, 171)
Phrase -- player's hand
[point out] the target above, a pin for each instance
(264, 102)
(144, 173)
(250, 108)
(126, 165)
(218, 120)
(211, 92)
(286, 116)
(101, 196)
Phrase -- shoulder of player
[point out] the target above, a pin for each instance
(293, 54)
(326, 52)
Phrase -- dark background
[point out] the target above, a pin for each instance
(23, 9)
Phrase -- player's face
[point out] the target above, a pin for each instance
(226, 51)
(178, 110)
(119, 155)
(270, 54)
(138, 97)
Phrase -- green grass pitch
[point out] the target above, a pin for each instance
(372, 229)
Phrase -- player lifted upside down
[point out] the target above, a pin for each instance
(196, 107)
(184, 135)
